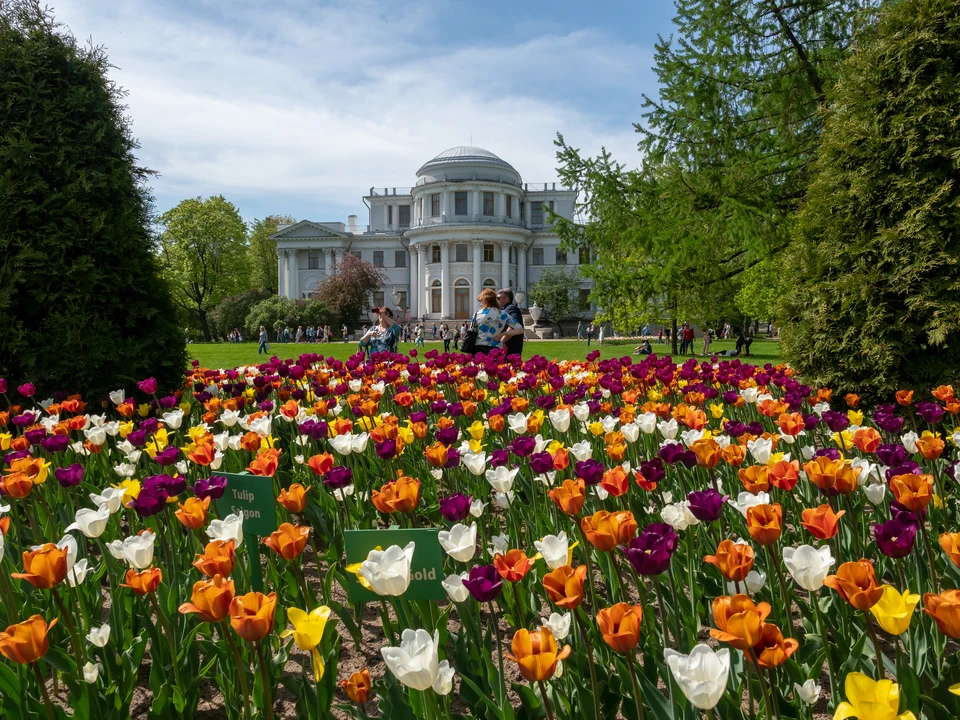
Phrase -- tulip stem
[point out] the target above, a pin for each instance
(822, 628)
(593, 672)
(546, 702)
(767, 704)
(265, 680)
(787, 605)
(636, 687)
(41, 683)
(71, 628)
(168, 631)
(876, 647)
(241, 669)
(589, 561)
(930, 560)
(496, 633)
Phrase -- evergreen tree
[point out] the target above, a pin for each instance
(82, 305)
(873, 301)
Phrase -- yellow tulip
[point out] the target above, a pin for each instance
(143, 410)
(843, 440)
(955, 689)
(126, 428)
(476, 430)
(131, 489)
(308, 632)
(405, 434)
(654, 396)
(157, 443)
(476, 446)
(855, 417)
(553, 446)
(197, 432)
(894, 611)
(716, 409)
(595, 428)
(5, 439)
(871, 700)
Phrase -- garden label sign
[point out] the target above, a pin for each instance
(252, 497)
(426, 570)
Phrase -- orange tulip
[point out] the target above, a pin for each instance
(5, 525)
(620, 626)
(950, 542)
(514, 565)
(570, 496)
(734, 455)
(755, 479)
(265, 464)
(293, 498)
(536, 653)
(437, 454)
(145, 582)
(320, 464)
(561, 459)
(564, 586)
(210, 599)
(193, 513)
(250, 442)
(739, 621)
(945, 611)
(288, 540)
(45, 567)
(791, 424)
(765, 523)
(26, 642)
(642, 482)
(773, 650)
(734, 561)
(867, 440)
(857, 584)
(615, 481)
(17, 485)
(605, 530)
(358, 686)
(829, 474)
(821, 521)
(203, 455)
(943, 393)
(785, 474)
(708, 452)
(401, 495)
(852, 399)
(930, 446)
(914, 492)
(251, 615)
(217, 558)
(905, 397)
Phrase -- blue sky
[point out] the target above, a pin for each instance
(299, 106)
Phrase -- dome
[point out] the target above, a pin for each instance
(465, 155)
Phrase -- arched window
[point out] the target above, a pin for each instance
(462, 282)
(435, 283)
(489, 283)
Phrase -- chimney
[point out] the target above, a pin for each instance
(352, 224)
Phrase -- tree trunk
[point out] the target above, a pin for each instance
(673, 335)
(204, 325)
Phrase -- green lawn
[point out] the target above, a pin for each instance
(226, 355)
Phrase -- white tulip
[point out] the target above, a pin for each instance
(560, 419)
(499, 544)
(234, 442)
(701, 675)
(554, 549)
(388, 571)
(460, 542)
(808, 566)
(754, 582)
(689, 437)
(647, 422)
(415, 663)
(343, 444)
(116, 549)
(341, 493)
(78, 573)
(91, 523)
(99, 637)
(609, 423)
(476, 463)
(91, 672)
(456, 590)
(875, 493)
(359, 442)
(501, 478)
(558, 624)
(749, 395)
(761, 449)
(746, 500)
(600, 492)
(110, 498)
(678, 515)
(230, 528)
(668, 428)
(262, 426)
(173, 419)
(867, 469)
(909, 441)
(96, 435)
(137, 550)
(631, 431)
(125, 470)
(476, 508)
(809, 692)
(444, 682)
(581, 411)
(503, 500)
(517, 423)
(229, 418)
(117, 397)
(808, 451)
(581, 450)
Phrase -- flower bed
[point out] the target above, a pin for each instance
(616, 539)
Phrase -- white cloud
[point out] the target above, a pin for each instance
(319, 103)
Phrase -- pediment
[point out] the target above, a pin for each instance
(308, 229)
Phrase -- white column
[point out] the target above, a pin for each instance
(279, 272)
(415, 279)
(505, 265)
(477, 259)
(327, 263)
(286, 273)
(477, 208)
(522, 270)
(445, 293)
(295, 274)
(339, 259)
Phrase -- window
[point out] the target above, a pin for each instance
(509, 206)
(490, 283)
(551, 206)
(537, 256)
(460, 202)
(584, 298)
(389, 214)
(584, 256)
(435, 205)
(434, 253)
(536, 213)
(436, 302)
(313, 262)
(487, 252)
(420, 208)
(511, 255)
(404, 216)
(561, 257)
(400, 258)
(378, 259)
(402, 299)
(461, 252)
(378, 299)
(488, 203)
(357, 255)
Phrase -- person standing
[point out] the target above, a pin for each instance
(343, 331)
(589, 334)
(579, 330)
(263, 342)
(600, 335)
(434, 331)
(494, 325)
(421, 331)
(660, 337)
(445, 336)
(505, 299)
(707, 337)
(456, 338)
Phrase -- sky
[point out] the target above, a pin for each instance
(298, 107)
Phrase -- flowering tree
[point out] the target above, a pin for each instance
(347, 293)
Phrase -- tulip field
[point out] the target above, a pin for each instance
(438, 536)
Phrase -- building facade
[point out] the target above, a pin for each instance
(469, 222)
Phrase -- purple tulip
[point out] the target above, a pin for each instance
(149, 386)
(453, 459)
(546, 402)
(27, 389)
(907, 467)
(338, 477)
(70, 476)
(523, 446)
(652, 470)
(387, 449)
(895, 538)
(484, 583)
(315, 429)
(168, 456)
(836, 421)
(456, 507)
(55, 443)
(905, 515)
(930, 411)
(888, 423)
(172, 486)
(25, 420)
(212, 487)
(707, 505)
(150, 425)
(137, 438)
(891, 455)
(590, 470)
(36, 436)
(650, 551)
(448, 435)
(3, 385)
(830, 452)
(541, 462)
(150, 501)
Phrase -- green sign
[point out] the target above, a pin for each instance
(252, 496)
(426, 570)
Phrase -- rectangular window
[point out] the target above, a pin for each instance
(434, 253)
(537, 256)
(488, 203)
(551, 206)
(488, 252)
(313, 262)
(460, 202)
(435, 205)
(509, 206)
(378, 258)
(584, 256)
(420, 208)
(536, 213)
(400, 258)
(461, 253)
(357, 255)
(389, 214)
(435, 300)
(404, 216)
(521, 211)
(584, 298)
(378, 300)
(402, 299)
(561, 257)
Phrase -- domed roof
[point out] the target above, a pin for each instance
(465, 155)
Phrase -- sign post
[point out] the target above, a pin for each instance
(426, 569)
(252, 497)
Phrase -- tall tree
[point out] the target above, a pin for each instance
(82, 304)
(347, 294)
(204, 252)
(872, 302)
(557, 291)
(263, 253)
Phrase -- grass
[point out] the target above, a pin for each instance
(226, 355)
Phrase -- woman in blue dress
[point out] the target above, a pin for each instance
(492, 324)
(382, 337)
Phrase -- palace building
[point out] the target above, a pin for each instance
(469, 222)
